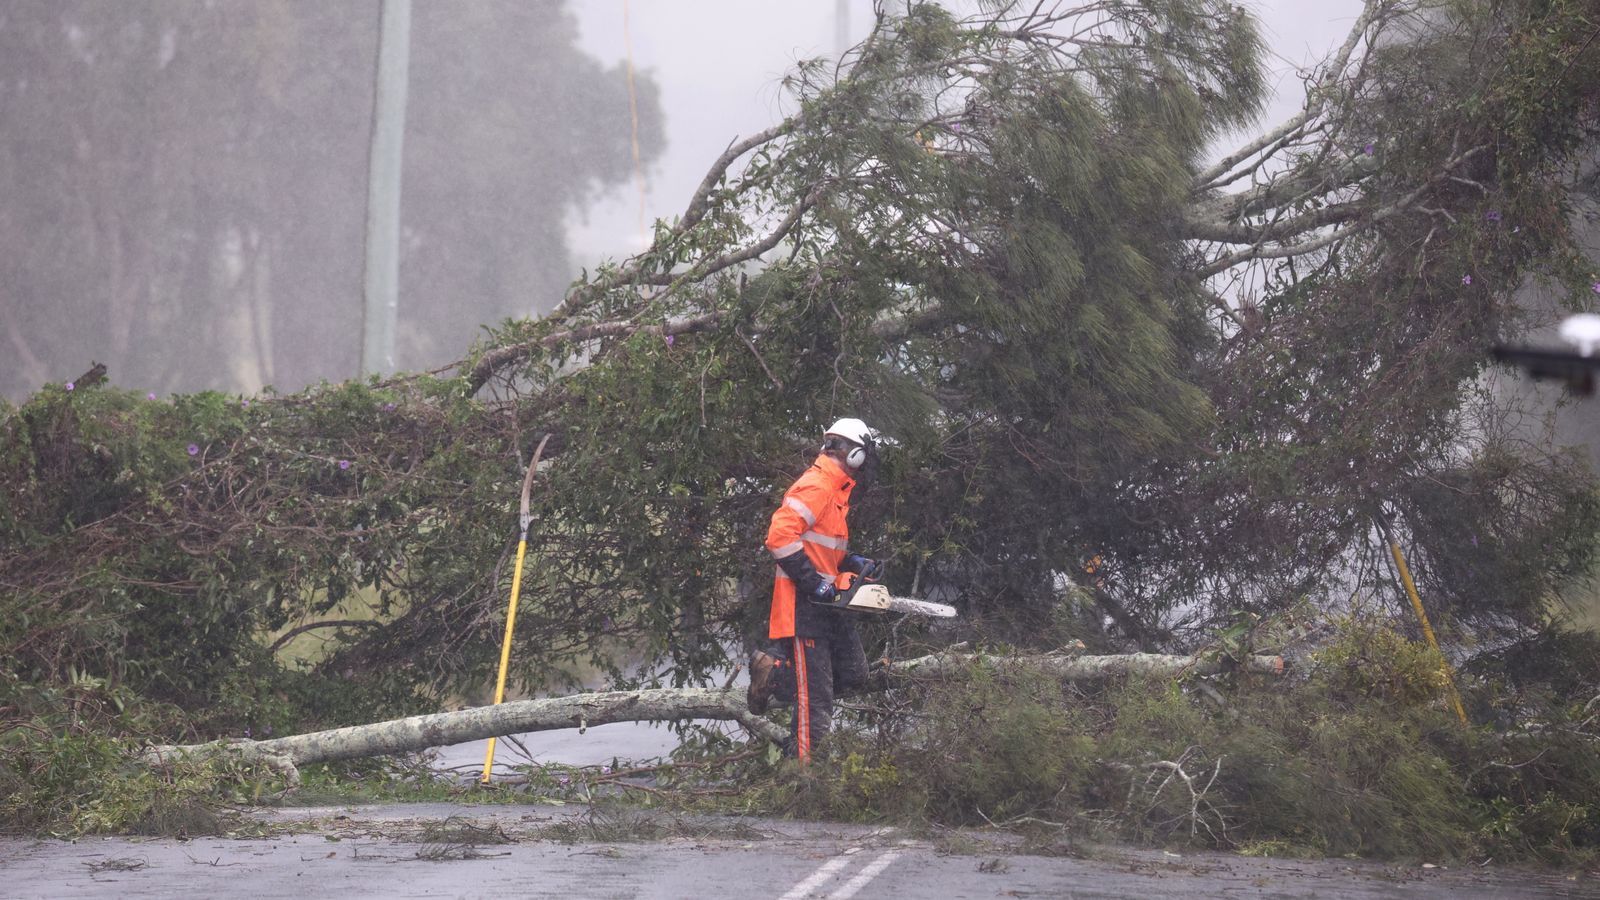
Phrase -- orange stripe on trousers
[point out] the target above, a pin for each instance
(802, 705)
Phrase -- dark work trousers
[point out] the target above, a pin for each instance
(811, 672)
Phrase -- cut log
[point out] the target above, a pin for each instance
(1086, 668)
(656, 705)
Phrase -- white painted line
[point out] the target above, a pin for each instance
(816, 878)
(873, 870)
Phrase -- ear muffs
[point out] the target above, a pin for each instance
(856, 457)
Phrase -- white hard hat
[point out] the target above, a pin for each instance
(1582, 331)
(853, 430)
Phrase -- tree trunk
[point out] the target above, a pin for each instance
(655, 705)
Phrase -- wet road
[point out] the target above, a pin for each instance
(380, 852)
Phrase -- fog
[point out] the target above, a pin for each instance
(186, 188)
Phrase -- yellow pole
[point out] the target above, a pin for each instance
(511, 609)
(505, 649)
(1427, 630)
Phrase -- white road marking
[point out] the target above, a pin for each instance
(873, 870)
(816, 878)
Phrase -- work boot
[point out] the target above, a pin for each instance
(759, 694)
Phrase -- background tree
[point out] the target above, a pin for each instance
(185, 182)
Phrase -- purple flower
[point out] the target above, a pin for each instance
(1596, 287)
(605, 770)
(247, 732)
(244, 404)
(69, 385)
(956, 127)
(669, 340)
(388, 407)
(1492, 215)
(150, 396)
(344, 463)
(1369, 149)
(563, 779)
(194, 449)
(1466, 279)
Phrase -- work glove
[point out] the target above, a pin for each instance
(808, 582)
(870, 569)
(825, 593)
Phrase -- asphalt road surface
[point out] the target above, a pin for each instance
(389, 851)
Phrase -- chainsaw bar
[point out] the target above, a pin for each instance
(921, 607)
(865, 596)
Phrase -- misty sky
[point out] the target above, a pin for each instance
(718, 63)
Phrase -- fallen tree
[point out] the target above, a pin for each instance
(994, 238)
(580, 711)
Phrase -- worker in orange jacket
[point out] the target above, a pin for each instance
(816, 649)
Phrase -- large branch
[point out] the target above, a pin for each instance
(1317, 98)
(1312, 245)
(699, 204)
(632, 271)
(732, 257)
(1336, 214)
(656, 705)
(1086, 668)
(500, 357)
(518, 717)
(1284, 189)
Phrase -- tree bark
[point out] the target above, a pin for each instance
(655, 705)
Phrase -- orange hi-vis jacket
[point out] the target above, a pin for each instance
(812, 518)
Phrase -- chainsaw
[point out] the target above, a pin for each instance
(865, 594)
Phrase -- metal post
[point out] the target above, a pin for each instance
(381, 286)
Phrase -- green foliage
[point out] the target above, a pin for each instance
(1355, 755)
(68, 765)
(849, 783)
(999, 748)
(403, 779)
(86, 783)
(1497, 536)
(1371, 662)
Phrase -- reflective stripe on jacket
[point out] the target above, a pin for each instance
(810, 519)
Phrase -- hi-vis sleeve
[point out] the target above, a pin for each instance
(793, 519)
